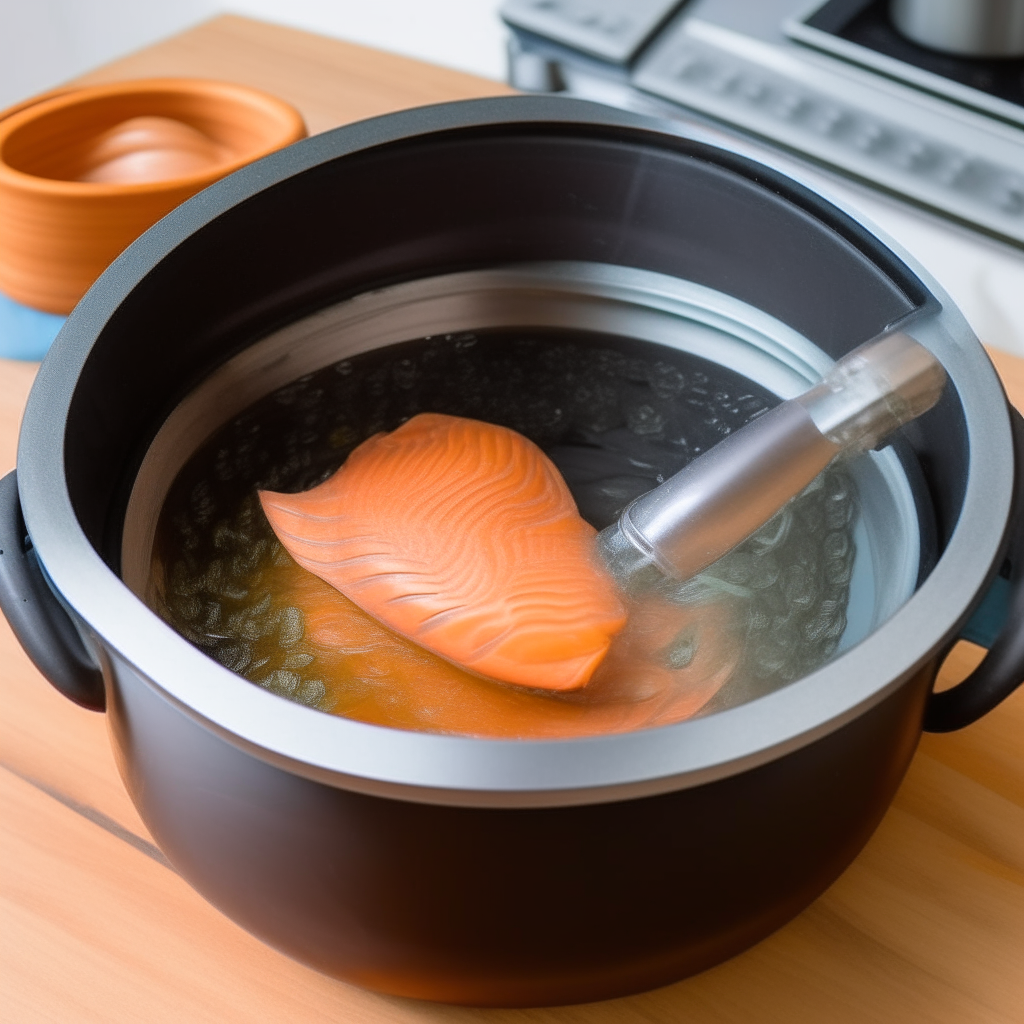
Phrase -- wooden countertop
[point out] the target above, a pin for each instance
(926, 926)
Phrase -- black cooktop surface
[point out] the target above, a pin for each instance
(866, 23)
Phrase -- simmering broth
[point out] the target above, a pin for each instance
(617, 417)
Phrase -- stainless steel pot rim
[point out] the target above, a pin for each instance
(475, 772)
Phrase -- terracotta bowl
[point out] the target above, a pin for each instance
(84, 172)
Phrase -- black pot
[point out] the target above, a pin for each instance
(460, 869)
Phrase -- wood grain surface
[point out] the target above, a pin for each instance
(926, 926)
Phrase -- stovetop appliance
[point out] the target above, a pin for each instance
(836, 83)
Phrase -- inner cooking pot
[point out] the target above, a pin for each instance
(474, 321)
(449, 867)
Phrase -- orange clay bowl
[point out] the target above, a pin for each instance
(84, 172)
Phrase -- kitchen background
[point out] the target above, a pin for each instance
(43, 42)
(47, 41)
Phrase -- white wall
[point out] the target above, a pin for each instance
(44, 42)
(464, 34)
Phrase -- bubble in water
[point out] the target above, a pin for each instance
(643, 419)
(667, 381)
(189, 607)
(213, 615)
(311, 692)
(290, 628)
(405, 374)
(235, 656)
(282, 681)
(681, 651)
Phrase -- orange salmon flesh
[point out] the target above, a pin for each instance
(462, 536)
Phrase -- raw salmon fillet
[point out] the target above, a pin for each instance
(462, 536)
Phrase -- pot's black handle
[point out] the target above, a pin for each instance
(1002, 670)
(36, 616)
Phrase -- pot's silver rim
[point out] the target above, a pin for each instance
(494, 773)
